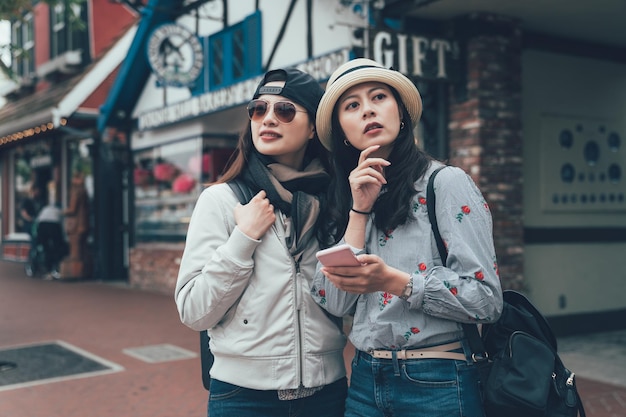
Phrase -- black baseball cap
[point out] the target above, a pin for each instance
(299, 87)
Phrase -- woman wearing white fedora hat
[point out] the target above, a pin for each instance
(411, 354)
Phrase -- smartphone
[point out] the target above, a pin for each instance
(340, 255)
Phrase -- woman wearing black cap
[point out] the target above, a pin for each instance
(411, 354)
(246, 271)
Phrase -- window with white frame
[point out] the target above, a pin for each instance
(57, 28)
(65, 28)
(24, 42)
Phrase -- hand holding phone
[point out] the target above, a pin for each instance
(340, 255)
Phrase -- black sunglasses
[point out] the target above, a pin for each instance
(285, 111)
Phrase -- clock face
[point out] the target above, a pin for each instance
(175, 55)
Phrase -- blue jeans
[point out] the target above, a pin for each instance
(228, 400)
(414, 387)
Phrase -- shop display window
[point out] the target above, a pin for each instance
(168, 180)
(32, 168)
(80, 161)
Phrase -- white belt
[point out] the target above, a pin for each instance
(433, 352)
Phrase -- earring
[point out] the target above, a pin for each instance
(401, 125)
(345, 142)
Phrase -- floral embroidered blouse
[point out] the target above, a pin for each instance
(466, 290)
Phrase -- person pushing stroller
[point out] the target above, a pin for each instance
(50, 239)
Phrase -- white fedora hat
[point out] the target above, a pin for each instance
(357, 71)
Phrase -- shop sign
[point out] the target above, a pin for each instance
(320, 68)
(40, 161)
(414, 55)
(199, 105)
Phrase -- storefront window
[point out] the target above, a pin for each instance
(168, 180)
(80, 162)
(32, 168)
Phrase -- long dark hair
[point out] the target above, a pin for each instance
(392, 207)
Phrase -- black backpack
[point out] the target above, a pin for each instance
(522, 349)
(244, 194)
(521, 373)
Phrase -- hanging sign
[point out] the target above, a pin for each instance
(175, 55)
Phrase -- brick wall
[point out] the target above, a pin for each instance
(15, 251)
(486, 133)
(154, 266)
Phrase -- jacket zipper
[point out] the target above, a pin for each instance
(298, 298)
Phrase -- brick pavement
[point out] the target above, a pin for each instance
(102, 319)
(106, 318)
(602, 400)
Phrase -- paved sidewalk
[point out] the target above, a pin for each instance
(104, 320)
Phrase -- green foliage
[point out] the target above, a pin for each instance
(15, 9)
(81, 165)
(22, 170)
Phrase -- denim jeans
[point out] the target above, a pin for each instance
(228, 400)
(414, 387)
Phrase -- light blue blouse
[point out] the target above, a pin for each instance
(466, 290)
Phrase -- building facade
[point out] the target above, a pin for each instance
(528, 98)
(65, 55)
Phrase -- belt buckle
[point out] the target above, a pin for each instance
(371, 352)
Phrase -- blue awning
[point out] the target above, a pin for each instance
(135, 70)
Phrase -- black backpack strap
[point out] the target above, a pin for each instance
(430, 205)
(470, 330)
(206, 359)
(241, 190)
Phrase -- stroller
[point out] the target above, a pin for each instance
(50, 246)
